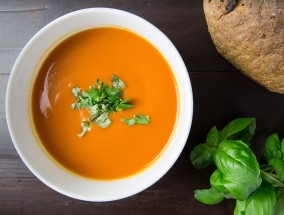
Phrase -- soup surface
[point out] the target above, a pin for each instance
(119, 150)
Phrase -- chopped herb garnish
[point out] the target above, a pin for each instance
(85, 127)
(123, 105)
(76, 92)
(101, 100)
(103, 120)
(129, 122)
(116, 82)
(137, 119)
(94, 112)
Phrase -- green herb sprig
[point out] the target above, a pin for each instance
(101, 100)
(257, 189)
(137, 119)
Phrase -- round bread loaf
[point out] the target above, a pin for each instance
(250, 35)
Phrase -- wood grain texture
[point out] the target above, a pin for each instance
(221, 93)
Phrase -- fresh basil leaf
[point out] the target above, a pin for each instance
(239, 169)
(137, 119)
(266, 177)
(85, 128)
(217, 182)
(103, 120)
(76, 92)
(262, 201)
(212, 136)
(201, 155)
(116, 82)
(278, 165)
(209, 196)
(271, 178)
(272, 148)
(245, 135)
(232, 154)
(129, 122)
(239, 129)
(240, 207)
(237, 186)
(282, 148)
(279, 206)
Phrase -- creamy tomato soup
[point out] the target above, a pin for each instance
(120, 150)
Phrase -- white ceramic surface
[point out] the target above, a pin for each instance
(17, 107)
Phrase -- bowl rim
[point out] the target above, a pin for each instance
(186, 109)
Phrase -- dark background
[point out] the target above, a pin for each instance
(221, 93)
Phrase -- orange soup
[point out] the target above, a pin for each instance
(120, 150)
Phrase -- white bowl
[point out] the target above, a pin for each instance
(18, 114)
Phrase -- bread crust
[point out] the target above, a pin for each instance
(251, 37)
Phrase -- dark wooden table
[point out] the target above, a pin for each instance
(221, 93)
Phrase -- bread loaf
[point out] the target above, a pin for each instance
(250, 35)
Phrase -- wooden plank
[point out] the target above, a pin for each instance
(29, 196)
(182, 21)
(7, 59)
